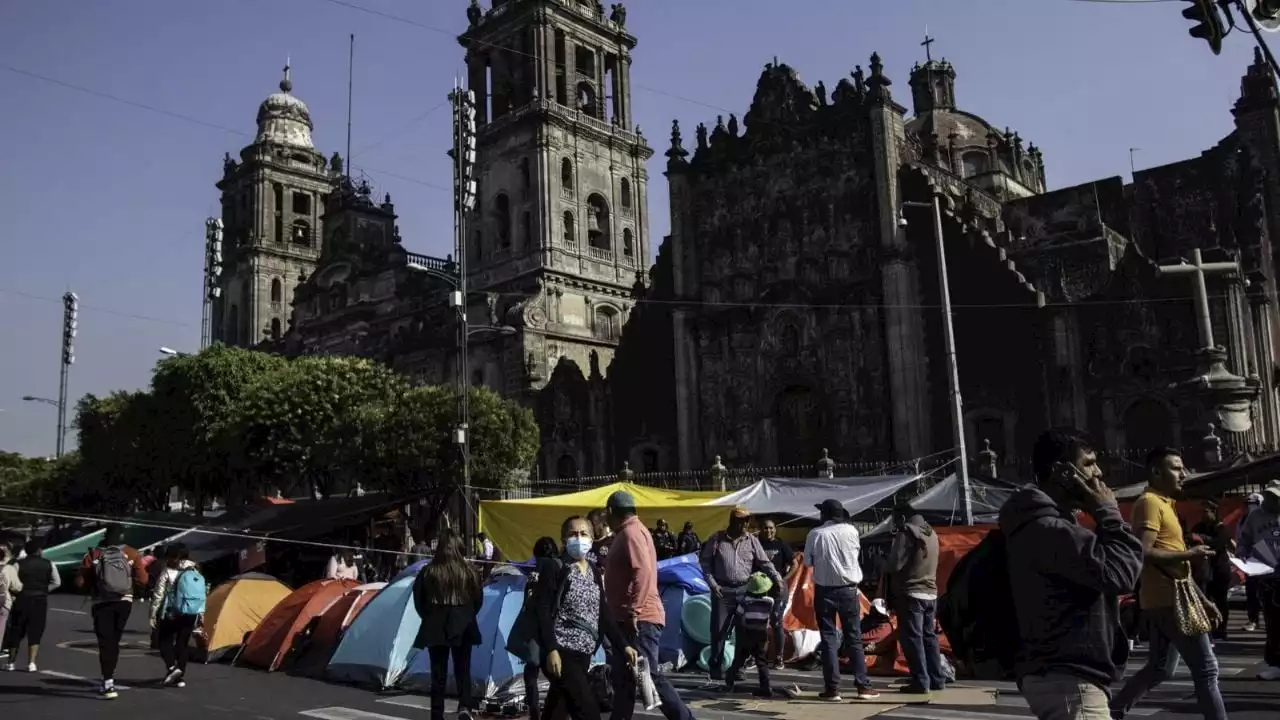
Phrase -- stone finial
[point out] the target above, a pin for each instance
(717, 474)
(676, 154)
(1212, 445)
(733, 125)
(826, 466)
(286, 83)
(626, 475)
(988, 459)
(474, 13)
(701, 134)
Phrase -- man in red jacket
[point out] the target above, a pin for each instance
(631, 590)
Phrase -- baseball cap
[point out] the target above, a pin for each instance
(1253, 499)
(740, 512)
(621, 500)
(831, 506)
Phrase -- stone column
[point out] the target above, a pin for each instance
(624, 91)
(1264, 351)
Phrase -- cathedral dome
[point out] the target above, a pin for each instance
(284, 119)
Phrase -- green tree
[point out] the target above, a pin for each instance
(127, 458)
(198, 397)
(300, 425)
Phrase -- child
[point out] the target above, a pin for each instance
(752, 629)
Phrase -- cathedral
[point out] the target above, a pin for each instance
(795, 307)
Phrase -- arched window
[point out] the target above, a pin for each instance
(976, 163)
(628, 243)
(624, 193)
(598, 235)
(587, 99)
(570, 229)
(276, 290)
(301, 234)
(608, 326)
(566, 175)
(789, 341)
(525, 181)
(275, 328)
(649, 461)
(502, 214)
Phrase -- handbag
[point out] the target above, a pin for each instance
(1193, 612)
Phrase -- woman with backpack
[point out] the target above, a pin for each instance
(572, 617)
(447, 595)
(176, 607)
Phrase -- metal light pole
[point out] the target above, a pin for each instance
(212, 273)
(70, 315)
(949, 339)
(464, 160)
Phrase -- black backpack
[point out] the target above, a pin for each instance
(977, 611)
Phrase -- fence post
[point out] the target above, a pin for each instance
(826, 466)
(717, 474)
(987, 459)
(625, 475)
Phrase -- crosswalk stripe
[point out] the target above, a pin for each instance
(345, 713)
(409, 701)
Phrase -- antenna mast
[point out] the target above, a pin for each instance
(351, 62)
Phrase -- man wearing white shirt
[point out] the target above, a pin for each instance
(832, 551)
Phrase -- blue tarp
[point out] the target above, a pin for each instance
(685, 572)
(375, 650)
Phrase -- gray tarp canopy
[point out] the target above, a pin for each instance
(943, 504)
(799, 496)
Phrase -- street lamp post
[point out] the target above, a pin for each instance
(949, 338)
(212, 275)
(70, 318)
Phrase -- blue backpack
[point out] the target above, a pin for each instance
(188, 593)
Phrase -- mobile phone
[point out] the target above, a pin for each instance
(1069, 477)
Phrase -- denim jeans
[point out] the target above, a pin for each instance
(645, 640)
(724, 608)
(1167, 645)
(842, 602)
(1058, 696)
(918, 636)
(777, 632)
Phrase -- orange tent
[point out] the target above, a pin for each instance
(329, 628)
(273, 637)
(884, 656)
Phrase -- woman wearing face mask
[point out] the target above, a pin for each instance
(572, 616)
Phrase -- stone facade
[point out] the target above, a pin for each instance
(272, 204)
(795, 306)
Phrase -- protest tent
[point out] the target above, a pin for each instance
(236, 608)
(274, 636)
(327, 629)
(375, 648)
(515, 525)
(800, 496)
(943, 504)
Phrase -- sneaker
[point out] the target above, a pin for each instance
(9, 667)
(173, 676)
(1251, 627)
(31, 667)
(779, 665)
(830, 696)
(1271, 672)
(762, 693)
(109, 690)
(913, 689)
(866, 693)
(180, 684)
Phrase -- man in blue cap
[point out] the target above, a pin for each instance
(631, 591)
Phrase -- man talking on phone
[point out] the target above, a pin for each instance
(1066, 580)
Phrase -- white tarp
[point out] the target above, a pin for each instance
(795, 496)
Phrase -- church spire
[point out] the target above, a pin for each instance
(286, 84)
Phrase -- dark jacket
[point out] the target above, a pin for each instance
(445, 625)
(913, 560)
(38, 576)
(1065, 581)
(548, 596)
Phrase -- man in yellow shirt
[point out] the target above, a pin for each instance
(1155, 520)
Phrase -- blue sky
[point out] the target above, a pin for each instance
(109, 198)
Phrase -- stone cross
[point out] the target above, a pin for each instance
(928, 42)
(1197, 269)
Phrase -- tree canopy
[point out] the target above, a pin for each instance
(231, 423)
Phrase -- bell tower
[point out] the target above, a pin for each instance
(562, 188)
(272, 202)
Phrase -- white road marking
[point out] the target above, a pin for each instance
(343, 713)
(409, 701)
(927, 713)
(78, 678)
(68, 612)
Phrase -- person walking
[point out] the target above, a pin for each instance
(572, 618)
(37, 578)
(1066, 580)
(1217, 572)
(631, 592)
(447, 595)
(10, 586)
(728, 559)
(110, 572)
(523, 639)
(913, 591)
(1260, 540)
(176, 607)
(752, 623)
(1252, 598)
(783, 558)
(832, 551)
(1167, 565)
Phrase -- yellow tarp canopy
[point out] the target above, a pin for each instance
(515, 525)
